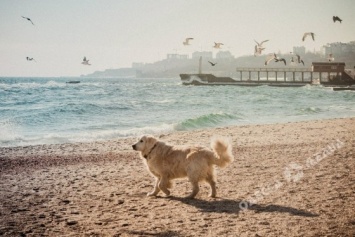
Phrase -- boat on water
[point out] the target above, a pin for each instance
(73, 82)
(330, 74)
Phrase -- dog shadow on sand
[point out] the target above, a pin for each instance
(230, 206)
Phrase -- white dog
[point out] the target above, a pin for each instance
(168, 162)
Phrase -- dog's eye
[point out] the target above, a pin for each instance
(141, 141)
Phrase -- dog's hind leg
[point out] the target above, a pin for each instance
(195, 189)
(212, 183)
(164, 184)
(156, 188)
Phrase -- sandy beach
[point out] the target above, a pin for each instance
(292, 179)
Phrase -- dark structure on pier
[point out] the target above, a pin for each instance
(326, 73)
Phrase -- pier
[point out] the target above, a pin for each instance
(276, 74)
(323, 73)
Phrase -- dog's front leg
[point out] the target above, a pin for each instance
(156, 188)
(163, 184)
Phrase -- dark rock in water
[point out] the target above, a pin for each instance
(73, 82)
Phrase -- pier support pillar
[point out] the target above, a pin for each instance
(267, 75)
(302, 76)
(284, 76)
(258, 75)
(241, 75)
(249, 75)
(276, 75)
(293, 77)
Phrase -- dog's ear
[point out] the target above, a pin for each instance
(150, 142)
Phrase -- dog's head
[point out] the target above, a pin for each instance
(145, 144)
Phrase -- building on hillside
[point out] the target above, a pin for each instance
(205, 55)
(177, 56)
(224, 55)
(299, 50)
(339, 48)
(137, 65)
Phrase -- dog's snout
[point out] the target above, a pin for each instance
(134, 147)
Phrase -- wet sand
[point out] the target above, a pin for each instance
(293, 179)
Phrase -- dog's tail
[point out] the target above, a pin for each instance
(223, 150)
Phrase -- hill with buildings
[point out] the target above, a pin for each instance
(226, 63)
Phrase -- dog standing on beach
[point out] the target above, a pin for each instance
(166, 162)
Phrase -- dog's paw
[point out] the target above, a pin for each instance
(190, 196)
(151, 194)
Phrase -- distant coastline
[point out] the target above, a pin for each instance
(175, 64)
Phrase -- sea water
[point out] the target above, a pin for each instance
(50, 111)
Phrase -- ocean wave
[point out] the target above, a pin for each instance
(11, 139)
(207, 120)
(31, 85)
(309, 110)
(9, 133)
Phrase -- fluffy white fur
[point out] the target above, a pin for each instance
(168, 162)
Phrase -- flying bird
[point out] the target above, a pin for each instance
(299, 60)
(30, 59)
(269, 58)
(257, 50)
(85, 61)
(187, 40)
(308, 34)
(277, 59)
(280, 60)
(259, 47)
(212, 64)
(336, 18)
(28, 19)
(261, 43)
(217, 45)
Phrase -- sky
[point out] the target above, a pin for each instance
(115, 33)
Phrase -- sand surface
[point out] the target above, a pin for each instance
(293, 179)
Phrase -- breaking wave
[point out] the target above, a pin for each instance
(205, 121)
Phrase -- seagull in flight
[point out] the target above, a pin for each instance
(30, 59)
(280, 60)
(186, 42)
(85, 61)
(336, 18)
(257, 50)
(269, 58)
(261, 43)
(277, 59)
(217, 45)
(299, 60)
(259, 47)
(28, 19)
(212, 64)
(308, 34)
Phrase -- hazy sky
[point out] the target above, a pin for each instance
(115, 33)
